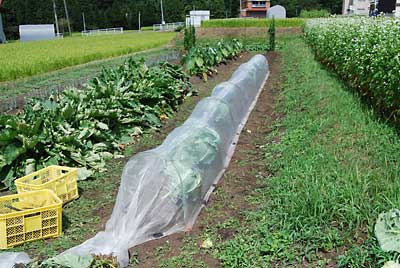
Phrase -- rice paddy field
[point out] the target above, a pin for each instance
(19, 59)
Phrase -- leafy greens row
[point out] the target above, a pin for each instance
(86, 127)
(201, 59)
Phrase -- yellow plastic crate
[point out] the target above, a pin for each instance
(28, 217)
(61, 180)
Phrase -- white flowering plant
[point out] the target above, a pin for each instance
(365, 52)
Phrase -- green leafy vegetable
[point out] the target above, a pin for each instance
(200, 60)
(68, 261)
(387, 230)
(86, 127)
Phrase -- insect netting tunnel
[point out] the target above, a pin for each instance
(163, 190)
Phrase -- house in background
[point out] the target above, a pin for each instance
(197, 16)
(364, 7)
(254, 9)
(356, 7)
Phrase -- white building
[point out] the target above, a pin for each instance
(397, 14)
(362, 7)
(36, 32)
(356, 7)
(197, 16)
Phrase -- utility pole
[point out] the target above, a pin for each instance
(2, 35)
(240, 9)
(56, 18)
(84, 22)
(162, 13)
(67, 16)
(140, 28)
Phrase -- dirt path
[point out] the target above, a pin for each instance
(238, 183)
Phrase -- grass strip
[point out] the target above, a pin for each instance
(334, 169)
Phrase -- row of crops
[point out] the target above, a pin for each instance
(88, 126)
(365, 53)
(201, 59)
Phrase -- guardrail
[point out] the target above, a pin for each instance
(167, 26)
(119, 30)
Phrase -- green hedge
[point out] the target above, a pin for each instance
(315, 13)
(261, 23)
(365, 52)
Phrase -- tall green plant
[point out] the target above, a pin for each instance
(193, 35)
(189, 40)
(271, 34)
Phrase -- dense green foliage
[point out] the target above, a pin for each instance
(314, 13)
(260, 23)
(294, 8)
(85, 127)
(201, 59)
(30, 58)
(256, 46)
(189, 39)
(332, 170)
(365, 53)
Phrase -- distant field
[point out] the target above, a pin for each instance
(239, 23)
(147, 28)
(26, 59)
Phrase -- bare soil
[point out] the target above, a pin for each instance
(239, 180)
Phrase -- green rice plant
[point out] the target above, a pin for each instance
(259, 23)
(22, 59)
(365, 52)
